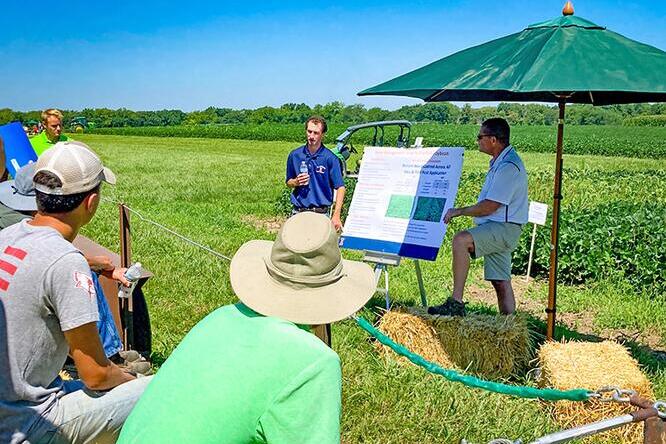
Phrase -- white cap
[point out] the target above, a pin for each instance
(77, 167)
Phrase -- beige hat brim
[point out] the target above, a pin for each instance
(108, 176)
(312, 306)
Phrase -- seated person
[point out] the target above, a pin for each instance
(17, 202)
(52, 134)
(48, 309)
(253, 372)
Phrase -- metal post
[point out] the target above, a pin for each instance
(585, 430)
(126, 308)
(419, 278)
(529, 261)
(555, 232)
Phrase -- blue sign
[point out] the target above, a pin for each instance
(18, 151)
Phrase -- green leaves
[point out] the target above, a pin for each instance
(616, 237)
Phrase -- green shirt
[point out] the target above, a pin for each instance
(41, 143)
(239, 377)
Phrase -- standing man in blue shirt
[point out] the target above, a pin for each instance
(313, 190)
(499, 215)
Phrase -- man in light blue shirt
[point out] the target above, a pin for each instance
(499, 215)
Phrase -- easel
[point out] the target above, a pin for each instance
(382, 261)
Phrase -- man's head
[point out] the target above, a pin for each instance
(301, 277)
(494, 136)
(52, 121)
(67, 178)
(315, 129)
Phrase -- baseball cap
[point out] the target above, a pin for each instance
(77, 167)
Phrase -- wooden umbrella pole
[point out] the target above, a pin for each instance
(555, 231)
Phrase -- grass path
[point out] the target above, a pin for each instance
(222, 193)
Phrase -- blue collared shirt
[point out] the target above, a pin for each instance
(506, 183)
(325, 176)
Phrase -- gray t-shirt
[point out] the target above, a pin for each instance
(45, 289)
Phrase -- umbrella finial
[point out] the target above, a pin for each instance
(568, 8)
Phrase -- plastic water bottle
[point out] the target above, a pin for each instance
(304, 169)
(132, 274)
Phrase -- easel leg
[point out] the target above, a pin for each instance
(419, 278)
(386, 283)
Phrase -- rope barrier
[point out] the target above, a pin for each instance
(471, 381)
(169, 230)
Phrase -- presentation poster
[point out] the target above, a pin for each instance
(400, 200)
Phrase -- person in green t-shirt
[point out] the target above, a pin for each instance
(52, 134)
(253, 372)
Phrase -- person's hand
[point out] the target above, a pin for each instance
(337, 223)
(117, 274)
(450, 214)
(302, 179)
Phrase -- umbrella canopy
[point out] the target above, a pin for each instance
(567, 59)
(567, 56)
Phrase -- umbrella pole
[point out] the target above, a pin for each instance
(555, 231)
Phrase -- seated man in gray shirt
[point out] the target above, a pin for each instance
(48, 308)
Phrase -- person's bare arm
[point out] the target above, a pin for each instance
(337, 210)
(484, 208)
(94, 368)
(104, 266)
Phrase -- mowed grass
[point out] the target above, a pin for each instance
(215, 191)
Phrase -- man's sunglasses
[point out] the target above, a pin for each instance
(481, 136)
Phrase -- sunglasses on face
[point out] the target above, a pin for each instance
(481, 136)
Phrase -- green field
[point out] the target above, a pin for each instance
(606, 140)
(223, 193)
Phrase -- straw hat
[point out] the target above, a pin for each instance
(301, 277)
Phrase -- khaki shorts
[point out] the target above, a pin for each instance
(495, 241)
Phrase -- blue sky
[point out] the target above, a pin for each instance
(191, 55)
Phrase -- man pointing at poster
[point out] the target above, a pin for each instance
(499, 215)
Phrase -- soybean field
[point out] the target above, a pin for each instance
(222, 193)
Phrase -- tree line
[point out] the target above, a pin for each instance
(337, 112)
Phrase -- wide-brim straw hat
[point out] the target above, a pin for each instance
(19, 194)
(301, 277)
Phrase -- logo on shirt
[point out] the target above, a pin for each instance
(84, 282)
(321, 169)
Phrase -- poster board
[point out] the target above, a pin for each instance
(18, 151)
(400, 200)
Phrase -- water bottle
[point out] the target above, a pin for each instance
(132, 274)
(304, 169)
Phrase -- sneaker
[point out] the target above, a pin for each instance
(132, 361)
(138, 367)
(450, 307)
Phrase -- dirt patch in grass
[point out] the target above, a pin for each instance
(271, 224)
(582, 322)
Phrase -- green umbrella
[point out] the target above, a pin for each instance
(567, 59)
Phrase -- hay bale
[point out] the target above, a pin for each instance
(590, 366)
(492, 346)
(415, 333)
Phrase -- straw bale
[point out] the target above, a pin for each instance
(590, 366)
(415, 333)
(492, 346)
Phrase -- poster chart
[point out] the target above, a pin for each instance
(400, 200)
(18, 151)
